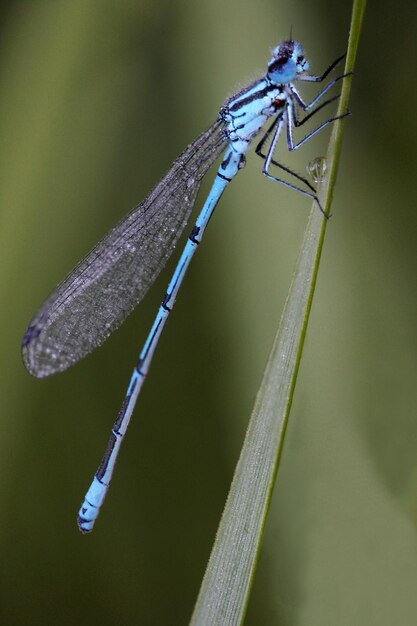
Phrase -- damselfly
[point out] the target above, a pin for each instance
(101, 291)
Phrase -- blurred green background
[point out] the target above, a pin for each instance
(97, 98)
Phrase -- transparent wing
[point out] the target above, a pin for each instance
(103, 289)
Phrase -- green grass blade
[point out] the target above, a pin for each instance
(225, 589)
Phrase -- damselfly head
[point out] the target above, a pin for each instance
(287, 61)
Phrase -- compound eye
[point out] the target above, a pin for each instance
(282, 71)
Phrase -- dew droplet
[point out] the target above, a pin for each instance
(130, 247)
(317, 168)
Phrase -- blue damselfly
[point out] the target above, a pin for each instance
(101, 291)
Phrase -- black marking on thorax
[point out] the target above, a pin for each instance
(242, 92)
(257, 95)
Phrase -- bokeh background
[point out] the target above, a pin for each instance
(97, 98)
